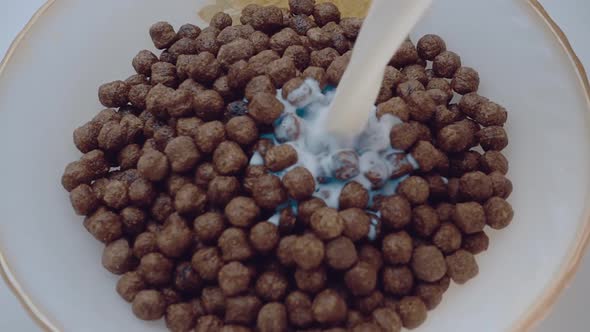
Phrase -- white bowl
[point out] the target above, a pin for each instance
(48, 86)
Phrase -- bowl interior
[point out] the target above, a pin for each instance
(49, 87)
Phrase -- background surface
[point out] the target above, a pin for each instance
(570, 313)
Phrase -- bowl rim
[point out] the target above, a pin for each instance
(530, 318)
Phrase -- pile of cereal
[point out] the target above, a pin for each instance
(193, 180)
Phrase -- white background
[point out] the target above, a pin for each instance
(571, 312)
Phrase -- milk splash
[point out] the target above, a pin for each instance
(367, 158)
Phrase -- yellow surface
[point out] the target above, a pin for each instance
(348, 8)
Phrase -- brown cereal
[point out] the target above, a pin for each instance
(260, 41)
(455, 137)
(499, 213)
(298, 182)
(234, 245)
(259, 84)
(397, 248)
(84, 200)
(207, 40)
(502, 186)
(242, 211)
(465, 80)
(428, 263)
(114, 94)
(221, 21)
(208, 105)
(155, 269)
(238, 75)
(416, 72)
(324, 57)
(308, 251)
(281, 71)
(300, 56)
(104, 225)
(341, 253)
(326, 12)
(272, 318)
(462, 266)
(222, 189)
(164, 73)
(299, 309)
(412, 311)
(229, 158)
(415, 189)
(182, 154)
(361, 279)
(129, 285)
(421, 106)
(117, 257)
(175, 238)
(329, 307)
(494, 161)
(283, 39)
(259, 62)
(327, 223)
(239, 49)
(153, 165)
(209, 226)
(407, 54)
(242, 309)
(187, 279)
(490, 114)
(370, 302)
(213, 301)
(448, 238)
(387, 319)
(271, 286)
(180, 317)
(162, 34)
(318, 38)
(492, 138)
(265, 108)
(188, 31)
(396, 107)
(143, 61)
(268, 191)
(476, 243)
(476, 186)
(144, 244)
(405, 89)
(337, 68)
(430, 46)
(162, 207)
(351, 26)
(469, 217)
(207, 262)
(204, 174)
(149, 305)
(356, 223)
(307, 208)
(353, 195)
(208, 323)
(446, 64)
(398, 280)
(267, 18)
(234, 278)
(231, 33)
(304, 7)
(280, 157)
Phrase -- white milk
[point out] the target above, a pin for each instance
(385, 28)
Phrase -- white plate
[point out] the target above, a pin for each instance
(49, 86)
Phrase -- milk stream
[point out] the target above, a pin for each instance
(385, 28)
(336, 133)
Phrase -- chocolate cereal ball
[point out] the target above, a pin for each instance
(357, 224)
(268, 191)
(117, 257)
(329, 307)
(104, 225)
(353, 195)
(143, 61)
(415, 189)
(308, 251)
(424, 221)
(144, 244)
(341, 253)
(280, 157)
(396, 211)
(208, 323)
(163, 35)
(242, 130)
(476, 186)
(407, 54)
(361, 280)
(155, 269)
(180, 317)
(476, 243)
(209, 226)
(209, 135)
(234, 245)
(494, 161)
(153, 165)
(430, 46)
(469, 217)
(114, 94)
(465, 80)
(428, 263)
(242, 211)
(387, 319)
(190, 199)
(222, 189)
(83, 200)
(271, 286)
(234, 278)
(371, 255)
(446, 64)
(207, 262)
(242, 309)
(213, 301)
(327, 223)
(323, 13)
(462, 266)
(398, 280)
(311, 281)
(397, 248)
(187, 279)
(502, 186)
(492, 138)
(272, 317)
(129, 285)
(412, 311)
(299, 309)
(264, 236)
(229, 158)
(299, 183)
(370, 302)
(175, 238)
(221, 21)
(447, 238)
(499, 213)
(307, 208)
(304, 7)
(265, 108)
(149, 305)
